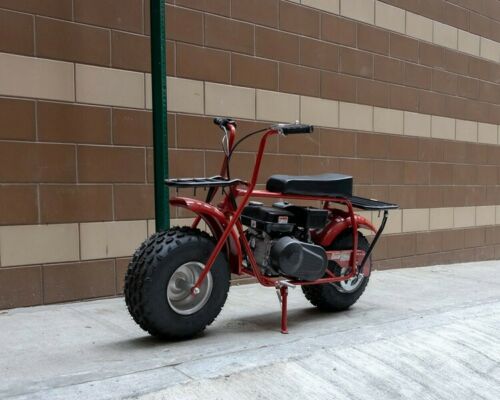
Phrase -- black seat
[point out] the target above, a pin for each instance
(316, 185)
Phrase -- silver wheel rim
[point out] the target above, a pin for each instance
(179, 296)
(350, 285)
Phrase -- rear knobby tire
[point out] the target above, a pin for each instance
(329, 296)
(148, 277)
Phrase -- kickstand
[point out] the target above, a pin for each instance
(282, 292)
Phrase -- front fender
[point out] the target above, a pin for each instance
(327, 235)
(217, 222)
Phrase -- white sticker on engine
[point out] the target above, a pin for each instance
(282, 219)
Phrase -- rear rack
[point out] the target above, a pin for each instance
(369, 204)
(203, 182)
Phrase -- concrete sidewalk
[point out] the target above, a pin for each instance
(426, 333)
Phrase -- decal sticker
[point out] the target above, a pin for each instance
(282, 219)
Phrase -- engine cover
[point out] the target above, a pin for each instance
(271, 220)
(299, 260)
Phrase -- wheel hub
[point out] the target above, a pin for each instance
(349, 285)
(180, 296)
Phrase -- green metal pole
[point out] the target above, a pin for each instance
(160, 134)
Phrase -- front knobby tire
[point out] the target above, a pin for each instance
(335, 296)
(161, 274)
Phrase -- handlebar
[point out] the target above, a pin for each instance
(220, 121)
(292, 129)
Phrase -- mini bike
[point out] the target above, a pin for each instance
(178, 280)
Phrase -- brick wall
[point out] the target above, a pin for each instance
(405, 95)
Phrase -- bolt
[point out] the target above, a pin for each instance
(196, 291)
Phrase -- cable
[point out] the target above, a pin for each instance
(244, 138)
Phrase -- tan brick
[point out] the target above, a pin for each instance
(70, 203)
(183, 95)
(279, 107)
(442, 127)
(361, 10)
(332, 6)
(468, 42)
(47, 243)
(490, 50)
(394, 223)
(415, 220)
(388, 121)
(419, 27)
(111, 239)
(35, 77)
(466, 131)
(464, 217)
(59, 122)
(229, 100)
(319, 112)
(487, 133)
(109, 86)
(485, 215)
(390, 17)
(111, 164)
(417, 124)
(75, 281)
(445, 35)
(355, 116)
(441, 218)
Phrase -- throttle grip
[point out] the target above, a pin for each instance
(291, 129)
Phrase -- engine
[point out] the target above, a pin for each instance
(280, 240)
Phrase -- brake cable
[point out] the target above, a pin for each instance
(244, 138)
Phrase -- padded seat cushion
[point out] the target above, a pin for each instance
(316, 185)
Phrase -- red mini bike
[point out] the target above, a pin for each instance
(178, 280)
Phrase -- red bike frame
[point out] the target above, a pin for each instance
(225, 225)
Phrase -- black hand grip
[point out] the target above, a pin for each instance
(219, 121)
(290, 129)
